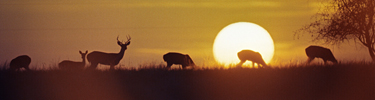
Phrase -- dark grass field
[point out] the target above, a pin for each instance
(352, 81)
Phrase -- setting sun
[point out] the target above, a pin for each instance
(239, 36)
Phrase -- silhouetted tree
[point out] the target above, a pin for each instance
(344, 20)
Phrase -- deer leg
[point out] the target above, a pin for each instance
(27, 68)
(169, 65)
(259, 65)
(240, 64)
(112, 67)
(93, 65)
(325, 61)
(309, 60)
(253, 64)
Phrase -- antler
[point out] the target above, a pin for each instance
(122, 42)
(128, 42)
(119, 42)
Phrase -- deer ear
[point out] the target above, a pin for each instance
(128, 43)
(80, 52)
(86, 51)
(119, 43)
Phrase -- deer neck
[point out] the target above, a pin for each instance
(121, 53)
(84, 60)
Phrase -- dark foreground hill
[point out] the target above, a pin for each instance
(353, 82)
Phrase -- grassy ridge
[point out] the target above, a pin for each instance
(315, 82)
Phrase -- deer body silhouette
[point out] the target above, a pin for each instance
(111, 59)
(178, 58)
(72, 65)
(252, 56)
(22, 61)
(319, 52)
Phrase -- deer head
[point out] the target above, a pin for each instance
(83, 55)
(124, 44)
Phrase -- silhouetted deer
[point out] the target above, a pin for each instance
(178, 58)
(111, 59)
(72, 65)
(319, 52)
(22, 61)
(252, 56)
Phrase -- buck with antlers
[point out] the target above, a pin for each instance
(111, 59)
(72, 65)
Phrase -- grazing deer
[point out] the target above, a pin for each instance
(319, 52)
(72, 65)
(252, 56)
(178, 58)
(111, 59)
(22, 61)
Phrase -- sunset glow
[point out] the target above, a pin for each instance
(50, 32)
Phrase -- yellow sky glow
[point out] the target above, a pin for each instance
(51, 31)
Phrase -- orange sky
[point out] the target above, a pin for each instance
(50, 31)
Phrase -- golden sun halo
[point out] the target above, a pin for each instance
(239, 36)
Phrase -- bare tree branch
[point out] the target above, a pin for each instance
(344, 20)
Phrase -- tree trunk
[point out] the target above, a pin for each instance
(372, 55)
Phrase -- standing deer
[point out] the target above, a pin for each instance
(22, 61)
(252, 56)
(72, 65)
(111, 59)
(178, 58)
(319, 52)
